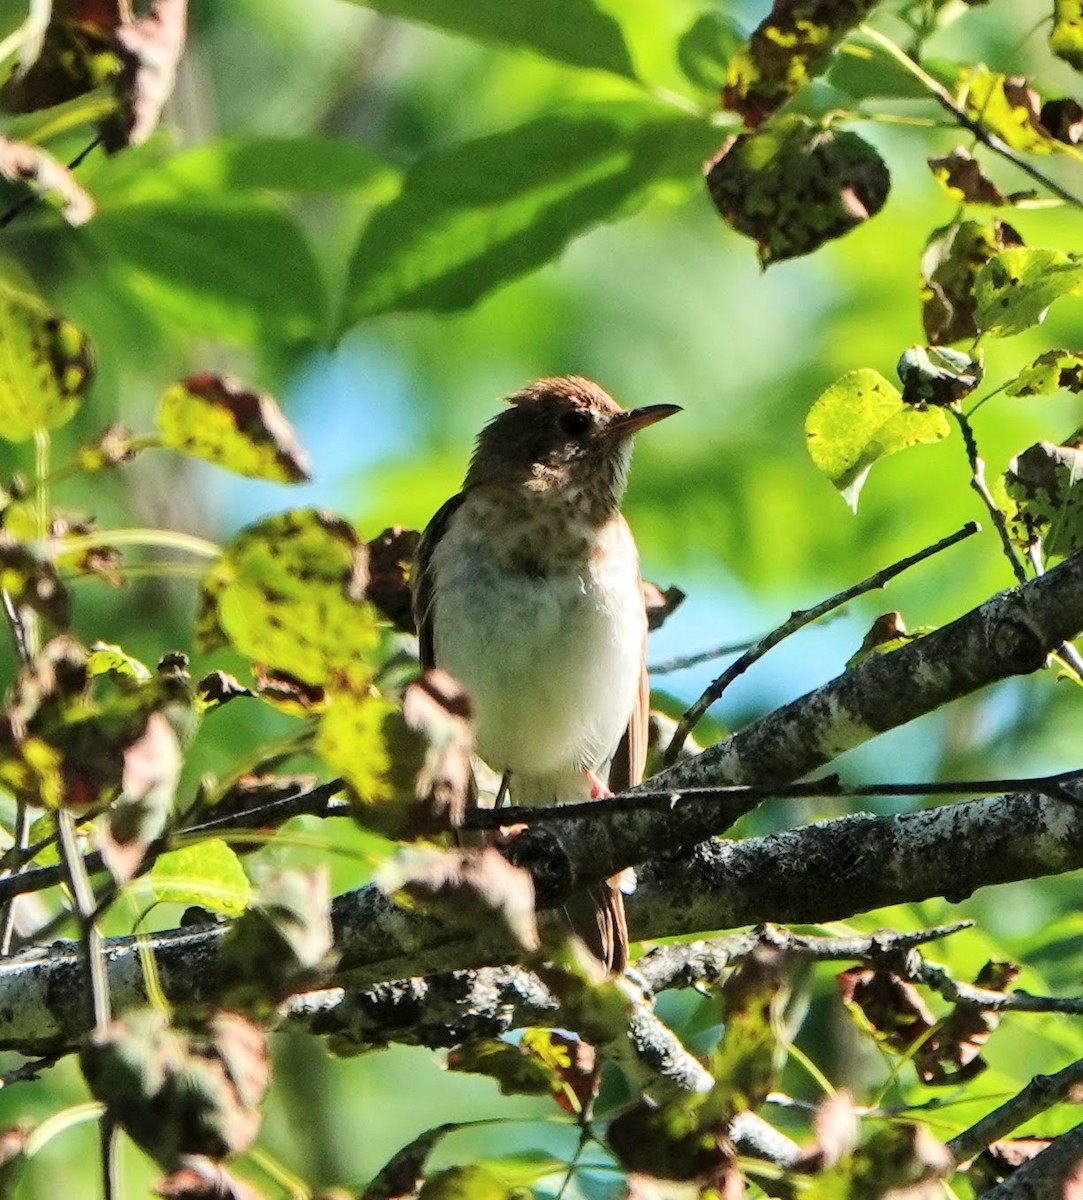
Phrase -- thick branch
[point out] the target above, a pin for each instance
(818, 873)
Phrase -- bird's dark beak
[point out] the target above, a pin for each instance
(626, 423)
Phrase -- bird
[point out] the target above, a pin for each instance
(526, 588)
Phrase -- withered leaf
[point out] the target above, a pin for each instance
(180, 1091)
(660, 604)
(961, 176)
(282, 944)
(891, 1006)
(150, 49)
(403, 1174)
(200, 1179)
(30, 164)
(464, 887)
(1064, 120)
(391, 554)
(937, 375)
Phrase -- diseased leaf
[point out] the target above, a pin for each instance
(952, 1055)
(1066, 35)
(860, 419)
(32, 582)
(793, 186)
(1013, 290)
(107, 659)
(1045, 485)
(208, 874)
(950, 263)
(416, 780)
(888, 632)
(150, 48)
(484, 212)
(289, 592)
(216, 419)
(571, 31)
(938, 376)
(30, 164)
(352, 738)
(792, 45)
(891, 1008)
(1007, 107)
(46, 364)
(668, 1142)
(1053, 371)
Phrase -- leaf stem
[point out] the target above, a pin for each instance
(166, 539)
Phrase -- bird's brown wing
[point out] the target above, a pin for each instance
(423, 581)
(630, 760)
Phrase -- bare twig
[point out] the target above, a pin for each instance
(977, 482)
(797, 620)
(1041, 1093)
(85, 908)
(971, 124)
(684, 661)
(1058, 787)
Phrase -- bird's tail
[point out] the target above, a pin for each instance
(596, 914)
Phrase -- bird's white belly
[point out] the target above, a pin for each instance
(552, 664)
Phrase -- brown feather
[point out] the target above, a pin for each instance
(423, 580)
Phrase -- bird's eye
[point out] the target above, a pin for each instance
(574, 423)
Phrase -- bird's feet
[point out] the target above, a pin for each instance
(598, 789)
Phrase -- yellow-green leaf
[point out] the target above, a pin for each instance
(208, 874)
(216, 419)
(45, 366)
(860, 419)
(1066, 36)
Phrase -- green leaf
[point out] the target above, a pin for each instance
(860, 419)
(793, 186)
(1066, 36)
(288, 592)
(279, 164)
(46, 365)
(237, 268)
(571, 31)
(489, 210)
(789, 47)
(207, 874)
(1014, 289)
(705, 49)
(466, 1183)
(217, 420)
(1053, 371)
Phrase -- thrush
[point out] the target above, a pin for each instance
(526, 588)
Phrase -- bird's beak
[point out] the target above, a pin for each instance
(626, 423)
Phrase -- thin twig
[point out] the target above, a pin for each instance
(971, 124)
(317, 802)
(684, 661)
(1054, 786)
(1040, 1094)
(798, 620)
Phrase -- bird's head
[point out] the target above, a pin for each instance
(562, 438)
